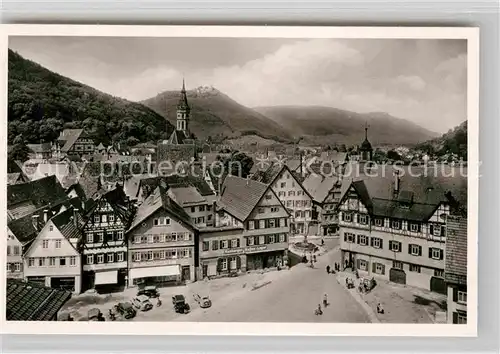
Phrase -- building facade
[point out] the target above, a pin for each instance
(105, 250)
(399, 235)
(162, 243)
(251, 230)
(456, 269)
(76, 142)
(53, 259)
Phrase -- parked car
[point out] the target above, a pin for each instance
(148, 290)
(180, 305)
(125, 309)
(204, 301)
(95, 315)
(142, 303)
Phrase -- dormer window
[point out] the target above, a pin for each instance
(395, 224)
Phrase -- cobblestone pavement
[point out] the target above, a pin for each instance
(276, 296)
(401, 303)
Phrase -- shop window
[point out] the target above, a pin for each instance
(362, 265)
(233, 263)
(223, 264)
(397, 265)
(415, 268)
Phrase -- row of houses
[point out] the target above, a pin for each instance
(63, 240)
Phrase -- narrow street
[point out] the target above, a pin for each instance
(290, 298)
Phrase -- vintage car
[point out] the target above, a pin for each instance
(142, 303)
(124, 309)
(203, 301)
(95, 315)
(180, 305)
(148, 290)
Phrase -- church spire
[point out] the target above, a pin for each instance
(366, 131)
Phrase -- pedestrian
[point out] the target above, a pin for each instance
(322, 242)
(380, 309)
(328, 269)
(325, 300)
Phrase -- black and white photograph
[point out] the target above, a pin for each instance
(241, 176)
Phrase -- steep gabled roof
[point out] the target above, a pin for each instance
(118, 201)
(67, 225)
(318, 186)
(187, 196)
(240, 196)
(27, 301)
(40, 193)
(156, 201)
(69, 137)
(427, 189)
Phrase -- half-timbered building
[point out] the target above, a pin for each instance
(104, 255)
(394, 226)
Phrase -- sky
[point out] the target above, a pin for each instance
(423, 81)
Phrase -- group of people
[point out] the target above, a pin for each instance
(319, 311)
(336, 267)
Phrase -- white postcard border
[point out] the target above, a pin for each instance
(471, 34)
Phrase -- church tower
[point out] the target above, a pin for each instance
(366, 148)
(183, 112)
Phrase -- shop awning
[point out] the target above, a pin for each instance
(109, 277)
(170, 270)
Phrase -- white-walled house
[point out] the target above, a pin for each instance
(53, 258)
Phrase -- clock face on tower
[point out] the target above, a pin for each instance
(353, 204)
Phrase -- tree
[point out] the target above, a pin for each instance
(238, 164)
(393, 155)
(19, 152)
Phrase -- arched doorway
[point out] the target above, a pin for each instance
(397, 276)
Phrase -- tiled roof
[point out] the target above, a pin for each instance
(33, 302)
(318, 186)
(118, 201)
(23, 228)
(456, 250)
(268, 175)
(428, 190)
(66, 224)
(159, 199)
(69, 136)
(39, 193)
(240, 196)
(187, 195)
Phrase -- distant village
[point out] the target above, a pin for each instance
(73, 227)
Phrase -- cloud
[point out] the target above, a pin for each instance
(414, 82)
(423, 81)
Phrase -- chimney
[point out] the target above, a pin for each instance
(45, 216)
(34, 220)
(75, 217)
